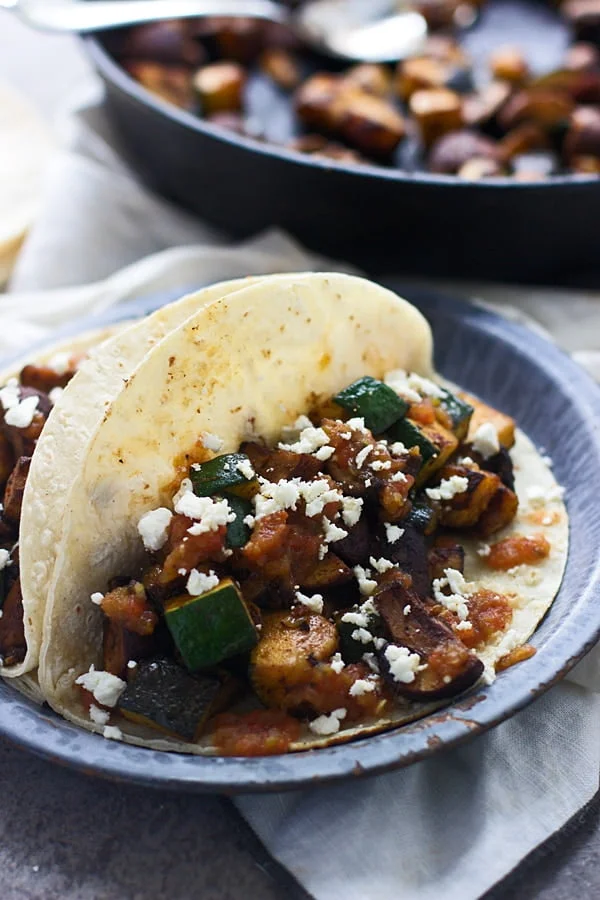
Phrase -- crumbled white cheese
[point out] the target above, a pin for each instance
(393, 533)
(464, 625)
(324, 725)
(509, 642)
(337, 663)
(379, 465)
(485, 440)
(406, 609)
(317, 494)
(112, 733)
(358, 424)
(55, 394)
(211, 514)
(398, 476)
(309, 440)
(412, 386)
(10, 394)
(362, 635)
(324, 453)
(21, 414)
(351, 510)
(381, 565)
(448, 488)
(245, 467)
(484, 550)
(362, 455)
(403, 664)
(466, 461)
(323, 551)
(371, 661)
(366, 585)
(274, 497)
(153, 528)
(460, 592)
(360, 618)
(333, 532)
(97, 597)
(346, 435)
(186, 487)
(5, 559)
(398, 448)
(212, 441)
(105, 687)
(132, 664)
(546, 459)
(198, 583)
(362, 686)
(314, 603)
(98, 716)
(60, 362)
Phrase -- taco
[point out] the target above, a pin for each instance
(81, 385)
(288, 532)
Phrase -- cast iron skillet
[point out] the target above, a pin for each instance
(558, 405)
(383, 220)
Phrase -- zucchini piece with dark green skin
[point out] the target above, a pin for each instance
(436, 444)
(409, 434)
(219, 474)
(373, 401)
(459, 411)
(351, 648)
(212, 626)
(162, 695)
(238, 533)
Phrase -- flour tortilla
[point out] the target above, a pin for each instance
(251, 362)
(67, 434)
(25, 149)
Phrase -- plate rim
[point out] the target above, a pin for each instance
(47, 735)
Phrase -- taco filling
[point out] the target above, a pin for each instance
(300, 586)
(25, 404)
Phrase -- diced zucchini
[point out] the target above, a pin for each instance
(422, 517)
(211, 627)
(220, 474)
(238, 533)
(374, 401)
(459, 411)
(436, 444)
(351, 648)
(412, 435)
(164, 696)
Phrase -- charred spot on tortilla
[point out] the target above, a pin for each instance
(329, 556)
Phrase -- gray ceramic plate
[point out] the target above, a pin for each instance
(559, 408)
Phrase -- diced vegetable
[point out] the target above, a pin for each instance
(422, 516)
(219, 474)
(352, 648)
(119, 646)
(460, 413)
(373, 401)
(238, 533)
(436, 444)
(465, 507)
(482, 413)
(13, 645)
(329, 572)
(211, 627)
(447, 555)
(499, 512)
(412, 435)
(162, 695)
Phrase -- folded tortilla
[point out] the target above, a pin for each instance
(245, 365)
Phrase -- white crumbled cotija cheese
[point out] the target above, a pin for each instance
(333, 532)
(539, 496)
(403, 664)
(212, 441)
(21, 415)
(324, 453)
(317, 494)
(198, 583)
(211, 514)
(406, 609)
(485, 440)
(546, 459)
(98, 716)
(398, 476)
(274, 497)
(245, 467)
(346, 435)
(330, 724)
(112, 733)
(9, 395)
(362, 686)
(337, 663)
(60, 362)
(398, 381)
(323, 551)
(309, 440)
(153, 528)
(362, 455)
(371, 661)
(4, 558)
(97, 597)
(360, 618)
(398, 448)
(460, 591)
(362, 635)
(464, 626)
(381, 565)
(351, 510)
(379, 465)
(106, 688)
(448, 488)
(186, 487)
(484, 550)
(314, 603)
(357, 424)
(55, 394)
(132, 664)
(366, 584)
(393, 533)
(466, 461)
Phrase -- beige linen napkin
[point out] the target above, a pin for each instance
(448, 827)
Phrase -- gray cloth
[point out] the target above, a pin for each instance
(448, 827)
